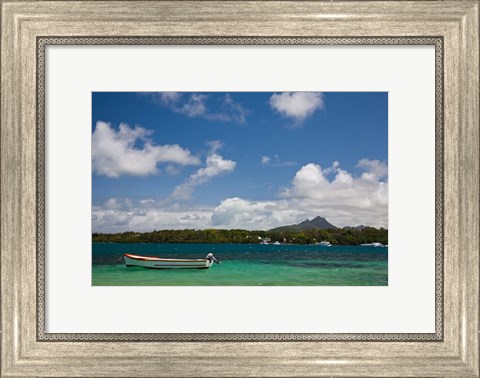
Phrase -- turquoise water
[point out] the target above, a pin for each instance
(244, 265)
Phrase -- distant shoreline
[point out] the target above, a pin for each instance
(270, 244)
(221, 236)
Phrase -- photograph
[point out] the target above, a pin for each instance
(239, 188)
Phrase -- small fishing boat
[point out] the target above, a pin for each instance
(161, 263)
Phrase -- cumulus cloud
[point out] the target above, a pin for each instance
(375, 169)
(195, 105)
(332, 192)
(216, 165)
(297, 105)
(343, 198)
(117, 152)
(254, 215)
(147, 215)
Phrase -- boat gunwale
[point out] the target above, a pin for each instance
(153, 258)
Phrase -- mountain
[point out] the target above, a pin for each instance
(318, 222)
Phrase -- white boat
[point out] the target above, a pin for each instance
(161, 263)
(325, 243)
(372, 245)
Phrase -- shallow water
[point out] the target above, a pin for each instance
(244, 265)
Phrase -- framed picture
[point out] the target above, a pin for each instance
(240, 188)
(190, 210)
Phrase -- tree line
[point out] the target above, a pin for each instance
(312, 236)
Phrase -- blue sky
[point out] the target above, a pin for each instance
(238, 160)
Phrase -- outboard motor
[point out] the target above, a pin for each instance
(211, 257)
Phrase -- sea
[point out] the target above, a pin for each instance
(244, 265)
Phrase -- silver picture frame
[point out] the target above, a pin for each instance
(28, 27)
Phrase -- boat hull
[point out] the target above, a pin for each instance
(160, 263)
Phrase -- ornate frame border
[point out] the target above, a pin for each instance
(43, 42)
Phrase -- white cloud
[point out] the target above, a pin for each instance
(265, 160)
(255, 215)
(216, 165)
(168, 98)
(195, 105)
(214, 145)
(236, 111)
(344, 199)
(147, 216)
(172, 170)
(116, 153)
(147, 202)
(276, 162)
(297, 105)
(375, 169)
(332, 169)
(116, 203)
